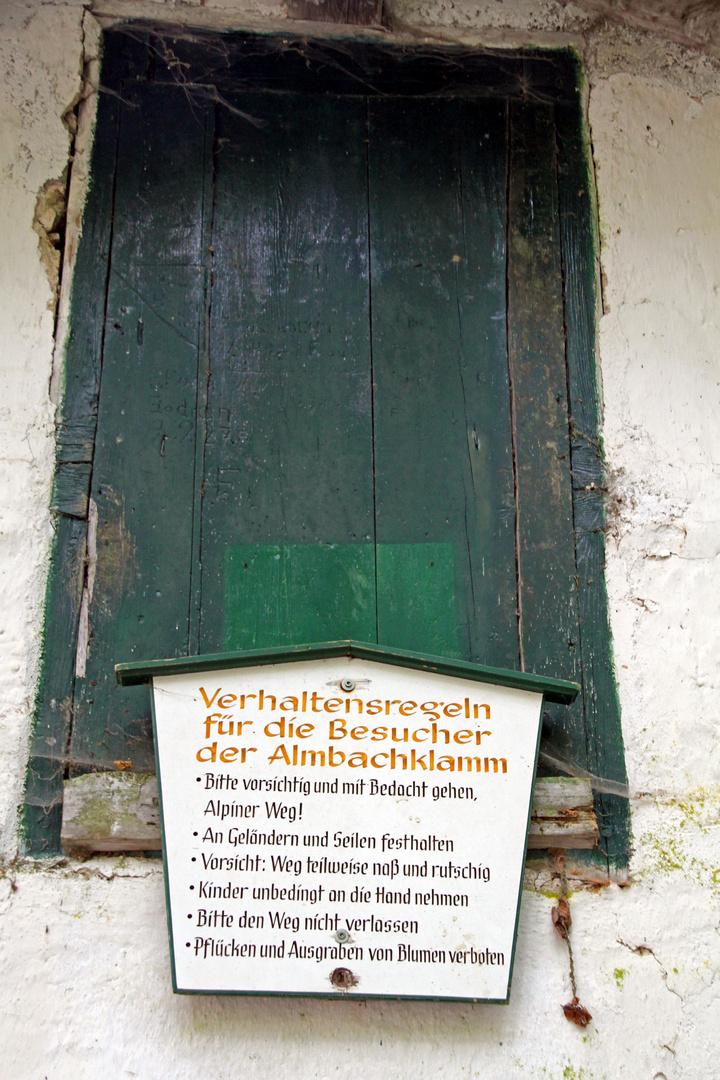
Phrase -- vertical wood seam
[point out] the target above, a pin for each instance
(201, 389)
(511, 389)
(372, 368)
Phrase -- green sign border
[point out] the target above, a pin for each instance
(143, 672)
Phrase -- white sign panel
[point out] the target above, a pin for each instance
(344, 826)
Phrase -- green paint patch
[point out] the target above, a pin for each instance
(291, 594)
(402, 595)
(619, 974)
(416, 598)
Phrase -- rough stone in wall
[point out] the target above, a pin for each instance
(49, 224)
(693, 23)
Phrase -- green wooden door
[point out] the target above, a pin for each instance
(321, 382)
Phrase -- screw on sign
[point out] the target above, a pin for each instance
(343, 979)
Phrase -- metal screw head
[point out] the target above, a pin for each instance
(347, 685)
(343, 979)
(342, 936)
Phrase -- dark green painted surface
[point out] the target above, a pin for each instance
(142, 481)
(239, 62)
(42, 809)
(333, 409)
(320, 445)
(288, 457)
(70, 489)
(76, 440)
(605, 742)
(443, 463)
(53, 708)
(546, 549)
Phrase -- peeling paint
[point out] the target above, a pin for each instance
(83, 639)
(118, 569)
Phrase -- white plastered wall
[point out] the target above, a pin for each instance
(83, 948)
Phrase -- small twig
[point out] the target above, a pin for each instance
(562, 921)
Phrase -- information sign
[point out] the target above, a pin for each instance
(344, 820)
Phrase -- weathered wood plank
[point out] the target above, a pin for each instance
(443, 462)
(576, 829)
(288, 457)
(76, 440)
(111, 812)
(53, 707)
(80, 379)
(554, 794)
(577, 226)
(201, 396)
(562, 814)
(546, 547)
(143, 471)
(125, 55)
(120, 812)
(71, 488)
(83, 350)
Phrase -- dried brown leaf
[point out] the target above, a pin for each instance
(577, 1013)
(561, 918)
(123, 765)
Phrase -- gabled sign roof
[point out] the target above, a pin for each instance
(557, 690)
